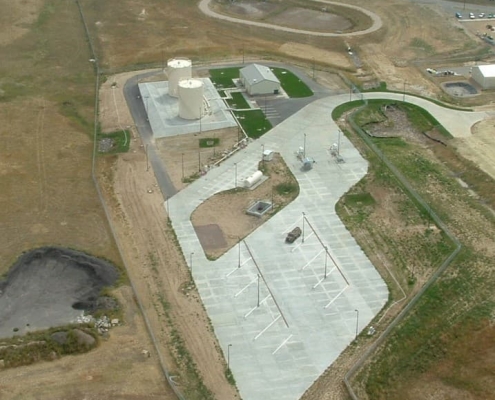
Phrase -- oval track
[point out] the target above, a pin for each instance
(204, 6)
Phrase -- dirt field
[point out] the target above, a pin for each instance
(45, 160)
(115, 370)
(480, 147)
(158, 269)
(225, 213)
(184, 158)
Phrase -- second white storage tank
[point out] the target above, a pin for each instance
(191, 98)
(177, 70)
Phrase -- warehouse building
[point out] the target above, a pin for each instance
(484, 75)
(259, 79)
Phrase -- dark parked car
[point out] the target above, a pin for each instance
(293, 235)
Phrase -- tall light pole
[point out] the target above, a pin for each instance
(304, 146)
(357, 323)
(239, 253)
(235, 175)
(147, 163)
(304, 217)
(182, 167)
(228, 356)
(326, 254)
(146, 107)
(258, 290)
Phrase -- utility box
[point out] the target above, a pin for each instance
(308, 164)
(268, 155)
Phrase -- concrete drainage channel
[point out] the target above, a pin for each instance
(413, 194)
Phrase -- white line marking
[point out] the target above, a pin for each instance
(336, 297)
(245, 287)
(282, 344)
(267, 327)
(310, 261)
(254, 308)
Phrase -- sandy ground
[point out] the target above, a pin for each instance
(158, 269)
(386, 55)
(183, 158)
(480, 147)
(227, 211)
(101, 374)
(15, 18)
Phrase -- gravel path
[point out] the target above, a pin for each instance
(204, 6)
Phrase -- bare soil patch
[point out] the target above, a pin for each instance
(227, 210)
(480, 146)
(115, 369)
(158, 270)
(184, 158)
(16, 18)
(302, 18)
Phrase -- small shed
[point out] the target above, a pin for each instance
(259, 79)
(268, 155)
(484, 75)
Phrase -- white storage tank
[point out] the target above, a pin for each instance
(191, 99)
(177, 70)
(251, 180)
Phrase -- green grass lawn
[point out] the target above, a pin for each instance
(209, 142)
(238, 101)
(121, 139)
(253, 122)
(222, 77)
(291, 84)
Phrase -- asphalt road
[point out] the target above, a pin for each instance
(138, 112)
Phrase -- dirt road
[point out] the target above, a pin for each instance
(204, 6)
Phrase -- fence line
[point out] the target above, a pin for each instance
(432, 214)
(95, 61)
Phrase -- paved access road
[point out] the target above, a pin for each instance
(138, 112)
(204, 6)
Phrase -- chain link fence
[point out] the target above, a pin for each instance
(414, 195)
(95, 62)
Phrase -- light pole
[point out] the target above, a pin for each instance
(239, 253)
(182, 167)
(357, 323)
(191, 261)
(304, 217)
(235, 175)
(228, 356)
(147, 163)
(326, 254)
(304, 146)
(258, 290)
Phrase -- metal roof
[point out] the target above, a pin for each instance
(256, 73)
(488, 71)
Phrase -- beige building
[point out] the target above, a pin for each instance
(259, 79)
(484, 75)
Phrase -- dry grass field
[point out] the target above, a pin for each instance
(47, 196)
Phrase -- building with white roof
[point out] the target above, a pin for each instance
(259, 79)
(484, 75)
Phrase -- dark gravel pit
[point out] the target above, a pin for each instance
(460, 89)
(50, 287)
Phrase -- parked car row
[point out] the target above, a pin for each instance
(473, 16)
